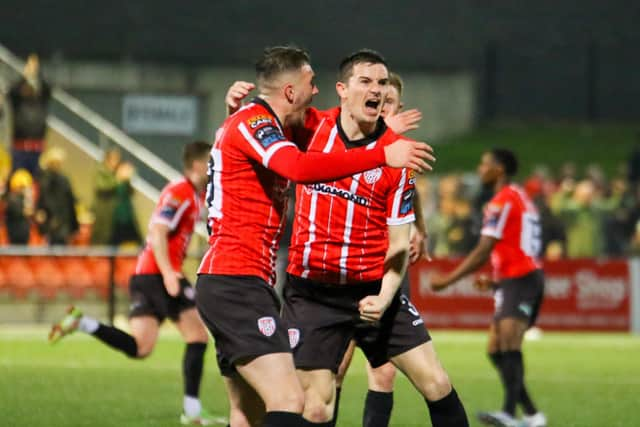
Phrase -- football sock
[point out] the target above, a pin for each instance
(513, 376)
(523, 399)
(327, 424)
(88, 324)
(117, 339)
(191, 406)
(336, 407)
(283, 419)
(192, 364)
(448, 411)
(377, 409)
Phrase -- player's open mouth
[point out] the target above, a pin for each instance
(371, 106)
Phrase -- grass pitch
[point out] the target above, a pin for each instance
(577, 379)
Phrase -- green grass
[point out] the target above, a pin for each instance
(577, 379)
(551, 144)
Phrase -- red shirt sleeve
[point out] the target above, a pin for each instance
(311, 167)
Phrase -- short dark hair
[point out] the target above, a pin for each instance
(507, 159)
(396, 81)
(367, 56)
(276, 60)
(194, 151)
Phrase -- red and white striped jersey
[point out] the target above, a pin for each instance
(513, 220)
(178, 207)
(246, 201)
(340, 232)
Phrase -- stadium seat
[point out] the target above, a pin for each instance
(78, 275)
(19, 277)
(49, 276)
(100, 269)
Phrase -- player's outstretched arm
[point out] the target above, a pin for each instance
(311, 167)
(478, 256)
(373, 307)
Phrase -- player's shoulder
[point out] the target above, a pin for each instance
(180, 189)
(252, 115)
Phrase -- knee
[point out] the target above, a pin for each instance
(317, 411)
(381, 379)
(144, 350)
(438, 386)
(318, 405)
(287, 400)
(237, 418)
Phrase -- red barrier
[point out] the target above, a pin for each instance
(579, 295)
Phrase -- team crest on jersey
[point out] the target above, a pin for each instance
(294, 337)
(372, 176)
(267, 325)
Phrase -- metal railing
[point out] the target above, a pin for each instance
(105, 131)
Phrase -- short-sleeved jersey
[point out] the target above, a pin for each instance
(340, 230)
(512, 219)
(246, 201)
(178, 208)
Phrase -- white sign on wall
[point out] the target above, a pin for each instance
(160, 114)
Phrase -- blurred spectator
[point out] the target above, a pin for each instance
(125, 226)
(105, 187)
(450, 226)
(29, 99)
(55, 214)
(583, 212)
(19, 207)
(537, 187)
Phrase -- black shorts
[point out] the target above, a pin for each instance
(149, 297)
(520, 297)
(324, 318)
(243, 315)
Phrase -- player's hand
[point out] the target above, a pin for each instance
(404, 121)
(439, 282)
(238, 91)
(483, 283)
(172, 283)
(418, 246)
(409, 154)
(372, 308)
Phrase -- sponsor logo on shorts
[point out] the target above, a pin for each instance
(372, 176)
(267, 325)
(189, 293)
(525, 309)
(294, 337)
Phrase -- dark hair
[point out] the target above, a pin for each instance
(194, 151)
(366, 56)
(279, 59)
(396, 81)
(507, 159)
